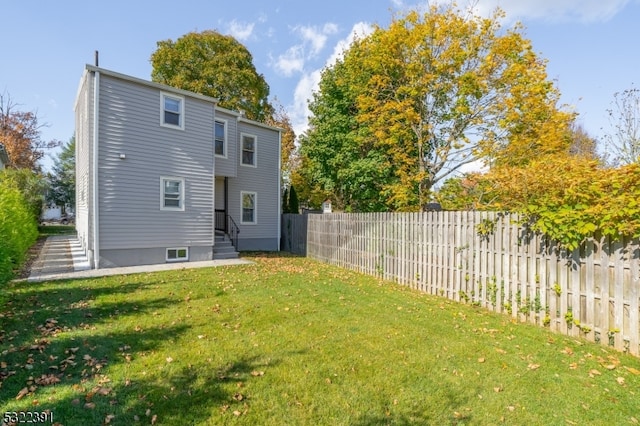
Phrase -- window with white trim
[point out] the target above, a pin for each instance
(171, 193)
(249, 208)
(249, 150)
(220, 138)
(177, 254)
(172, 111)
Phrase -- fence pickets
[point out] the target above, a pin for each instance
(487, 259)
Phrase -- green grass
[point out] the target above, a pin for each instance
(290, 341)
(49, 230)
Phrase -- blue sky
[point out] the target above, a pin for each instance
(591, 45)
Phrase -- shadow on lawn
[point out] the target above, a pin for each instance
(60, 351)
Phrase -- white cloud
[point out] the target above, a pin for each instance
(550, 10)
(299, 111)
(241, 30)
(291, 61)
(312, 42)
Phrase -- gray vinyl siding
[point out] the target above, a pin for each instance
(228, 166)
(263, 180)
(84, 143)
(129, 188)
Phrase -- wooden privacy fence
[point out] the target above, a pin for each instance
(488, 259)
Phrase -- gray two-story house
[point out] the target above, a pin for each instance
(166, 175)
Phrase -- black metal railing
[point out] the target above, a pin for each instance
(226, 224)
(221, 220)
(233, 231)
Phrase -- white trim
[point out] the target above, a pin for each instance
(181, 193)
(279, 181)
(255, 149)
(177, 258)
(226, 137)
(255, 207)
(95, 208)
(165, 95)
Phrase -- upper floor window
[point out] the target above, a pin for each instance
(172, 111)
(249, 150)
(220, 137)
(172, 193)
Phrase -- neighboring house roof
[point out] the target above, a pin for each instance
(4, 157)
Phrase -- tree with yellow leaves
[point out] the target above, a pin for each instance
(409, 105)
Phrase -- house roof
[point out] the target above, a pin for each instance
(164, 87)
(4, 157)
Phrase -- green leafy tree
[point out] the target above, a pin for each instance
(62, 179)
(335, 160)
(409, 105)
(31, 185)
(18, 226)
(285, 201)
(215, 65)
(294, 205)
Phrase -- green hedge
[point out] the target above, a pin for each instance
(18, 229)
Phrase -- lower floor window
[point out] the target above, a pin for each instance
(174, 254)
(248, 207)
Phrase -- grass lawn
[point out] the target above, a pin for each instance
(290, 341)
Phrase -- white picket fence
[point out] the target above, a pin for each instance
(592, 292)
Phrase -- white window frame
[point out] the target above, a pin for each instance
(225, 144)
(177, 257)
(255, 207)
(178, 98)
(181, 197)
(255, 150)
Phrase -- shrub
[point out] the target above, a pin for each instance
(18, 228)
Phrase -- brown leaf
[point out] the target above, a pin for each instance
(90, 405)
(108, 419)
(620, 380)
(633, 370)
(533, 366)
(22, 393)
(154, 419)
(594, 372)
(481, 360)
(257, 373)
(567, 350)
(103, 391)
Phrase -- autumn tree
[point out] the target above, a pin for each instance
(624, 117)
(280, 118)
(62, 178)
(409, 105)
(582, 144)
(20, 133)
(215, 65)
